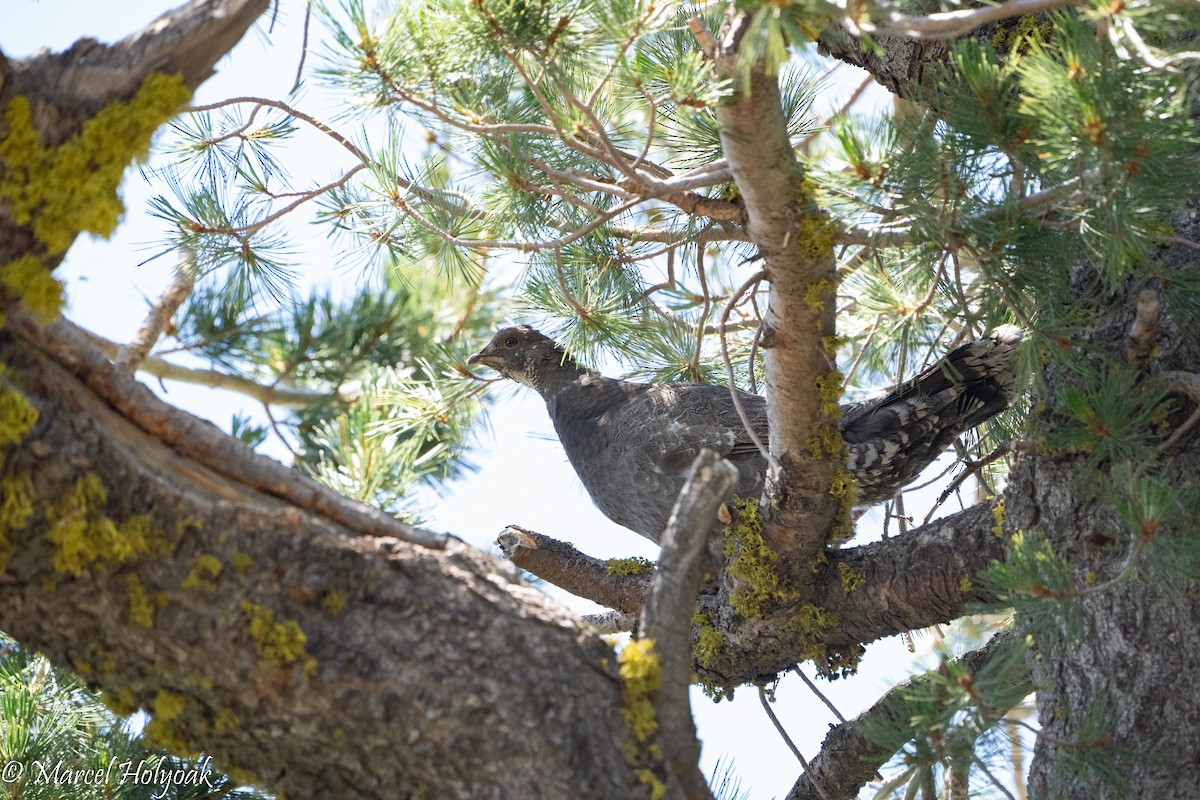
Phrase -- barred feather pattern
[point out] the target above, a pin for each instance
(631, 443)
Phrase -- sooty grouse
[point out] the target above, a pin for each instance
(631, 443)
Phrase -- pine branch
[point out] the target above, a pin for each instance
(130, 357)
(952, 24)
(213, 379)
(849, 758)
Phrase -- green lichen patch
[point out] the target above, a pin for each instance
(641, 677)
(26, 279)
(277, 644)
(334, 602)
(709, 640)
(142, 605)
(17, 415)
(63, 191)
(629, 566)
(850, 577)
(203, 574)
(16, 507)
(753, 564)
(165, 728)
(84, 536)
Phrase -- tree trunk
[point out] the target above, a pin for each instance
(1119, 692)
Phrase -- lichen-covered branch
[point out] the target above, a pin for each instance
(621, 584)
(133, 564)
(796, 241)
(201, 441)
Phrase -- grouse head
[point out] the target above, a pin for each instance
(526, 356)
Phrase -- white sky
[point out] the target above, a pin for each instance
(108, 293)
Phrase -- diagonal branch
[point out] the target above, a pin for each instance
(580, 574)
(850, 757)
(198, 439)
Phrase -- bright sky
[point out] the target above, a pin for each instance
(523, 478)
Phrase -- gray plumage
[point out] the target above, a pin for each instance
(631, 443)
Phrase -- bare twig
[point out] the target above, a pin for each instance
(165, 370)
(303, 48)
(972, 467)
(753, 281)
(766, 704)
(131, 356)
(952, 24)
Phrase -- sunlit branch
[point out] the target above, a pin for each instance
(952, 24)
(165, 370)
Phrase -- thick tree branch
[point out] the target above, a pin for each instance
(667, 618)
(394, 669)
(201, 441)
(796, 241)
(580, 574)
(850, 757)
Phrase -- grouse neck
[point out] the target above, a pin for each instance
(567, 372)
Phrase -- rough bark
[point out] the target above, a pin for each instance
(795, 239)
(1125, 691)
(320, 662)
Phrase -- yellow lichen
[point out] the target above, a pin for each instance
(63, 191)
(17, 415)
(142, 606)
(27, 279)
(754, 564)
(966, 585)
(334, 602)
(641, 677)
(122, 703)
(850, 577)
(83, 535)
(164, 729)
(658, 789)
(277, 643)
(709, 640)
(819, 293)
(829, 388)
(203, 574)
(241, 561)
(998, 518)
(629, 566)
(226, 720)
(16, 507)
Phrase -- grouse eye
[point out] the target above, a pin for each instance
(510, 341)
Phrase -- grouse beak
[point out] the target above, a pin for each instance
(481, 357)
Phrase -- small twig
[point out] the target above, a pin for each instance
(695, 367)
(303, 48)
(971, 468)
(708, 43)
(1143, 333)
(813, 687)
(132, 355)
(766, 704)
(952, 24)
(995, 781)
(754, 280)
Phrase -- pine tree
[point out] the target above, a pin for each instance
(657, 180)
